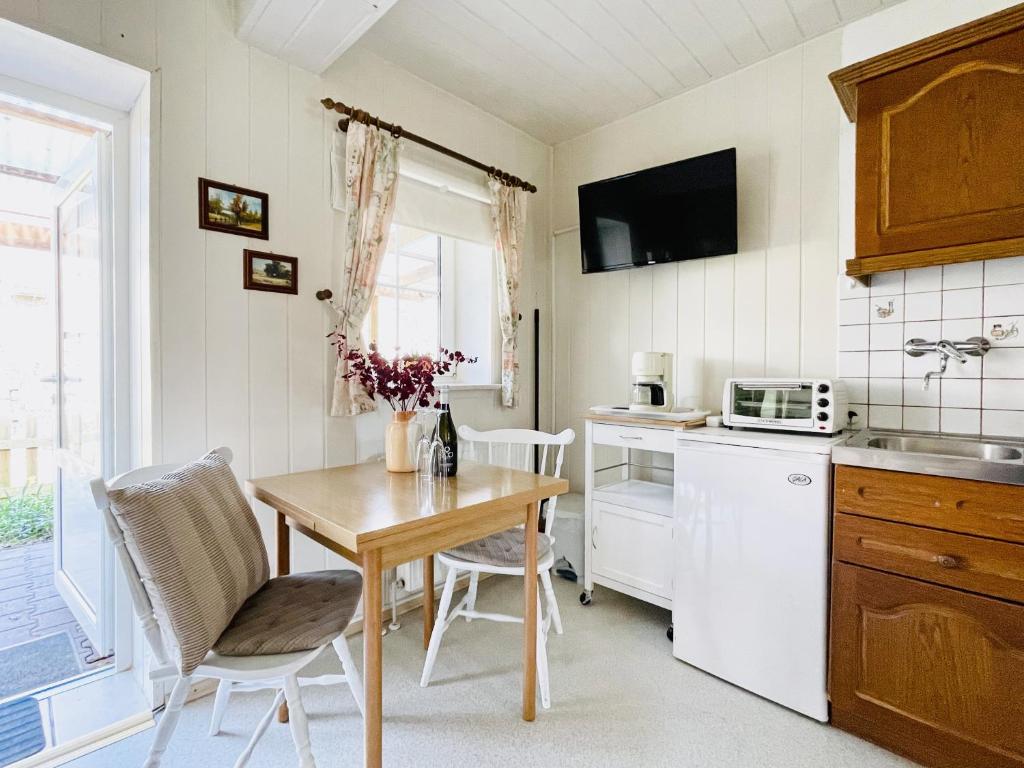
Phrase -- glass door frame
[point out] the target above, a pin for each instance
(96, 620)
(124, 437)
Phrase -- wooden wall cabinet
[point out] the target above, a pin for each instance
(939, 168)
(927, 629)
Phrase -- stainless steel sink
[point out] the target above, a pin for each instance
(947, 446)
(999, 460)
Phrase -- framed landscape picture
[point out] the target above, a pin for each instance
(270, 272)
(237, 211)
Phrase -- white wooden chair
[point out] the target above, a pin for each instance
(278, 671)
(503, 553)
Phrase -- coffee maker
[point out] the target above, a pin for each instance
(652, 382)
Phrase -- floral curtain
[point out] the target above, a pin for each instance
(508, 212)
(364, 177)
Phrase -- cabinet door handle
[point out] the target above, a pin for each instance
(593, 537)
(631, 437)
(946, 561)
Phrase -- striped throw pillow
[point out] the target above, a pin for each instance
(198, 550)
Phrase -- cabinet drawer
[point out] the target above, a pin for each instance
(633, 547)
(641, 438)
(988, 567)
(962, 506)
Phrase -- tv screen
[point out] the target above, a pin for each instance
(683, 210)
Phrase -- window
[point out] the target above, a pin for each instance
(435, 291)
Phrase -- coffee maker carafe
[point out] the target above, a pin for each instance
(652, 382)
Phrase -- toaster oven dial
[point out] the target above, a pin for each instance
(823, 402)
(822, 416)
(823, 388)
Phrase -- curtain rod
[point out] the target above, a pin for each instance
(397, 131)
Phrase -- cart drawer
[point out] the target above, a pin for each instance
(641, 438)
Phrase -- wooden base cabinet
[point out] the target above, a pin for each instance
(927, 632)
(926, 671)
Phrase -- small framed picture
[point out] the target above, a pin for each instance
(237, 211)
(270, 272)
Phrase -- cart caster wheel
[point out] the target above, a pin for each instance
(669, 633)
(585, 597)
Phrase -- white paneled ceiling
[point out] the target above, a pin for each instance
(558, 68)
(309, 33)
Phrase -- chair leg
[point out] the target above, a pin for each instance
(439, 626)
(348, 664)
(220, 705)
(549, 591)
(543, 680)
(168, 722)
(243, 759)
(474, 579)
(298, 723)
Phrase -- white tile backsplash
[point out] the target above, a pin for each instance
(962, 303)
(885, 365)
(953, 302)
(885, 417)
(1004, 300)
(853, 338)
(960, 421)
(853, 311)
(923, 306)
(961, 393)
(885, 391)
(886, 309)
(924, 279)
(853, 365)
(915, 394)
(1004, 271)
(921, 419)
(1004, 331)
(929, 330)
(888, 283)
(961, 330)
(886, 336)
(1005, 363)
(1003, 423)
(1003, 394)
(966, 275)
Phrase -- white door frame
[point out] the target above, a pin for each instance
(117, 401)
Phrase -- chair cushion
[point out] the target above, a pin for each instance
(198, 551)
(293, 613)
(506, 549)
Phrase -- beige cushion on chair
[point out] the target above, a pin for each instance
(293, 613)
(198, 551)
(506, 549)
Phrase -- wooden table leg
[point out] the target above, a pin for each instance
(372, 678)
(530, 615)
(284, 567)
(428, 600)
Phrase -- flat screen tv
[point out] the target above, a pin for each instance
(683, 210)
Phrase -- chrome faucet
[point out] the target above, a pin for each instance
(976, 346)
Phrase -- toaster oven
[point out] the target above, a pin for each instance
(795, 405)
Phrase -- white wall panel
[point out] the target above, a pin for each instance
(770, 309)
(253, 369)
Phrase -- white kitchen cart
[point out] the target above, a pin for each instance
(629, 506)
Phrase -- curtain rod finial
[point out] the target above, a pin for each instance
(328, 102)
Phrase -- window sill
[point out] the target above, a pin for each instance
(457, 387)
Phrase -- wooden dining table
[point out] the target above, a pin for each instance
(379, 519)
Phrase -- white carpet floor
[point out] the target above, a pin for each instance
(619, 699)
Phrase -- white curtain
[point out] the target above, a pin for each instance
(508, 215)
(364, 176)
